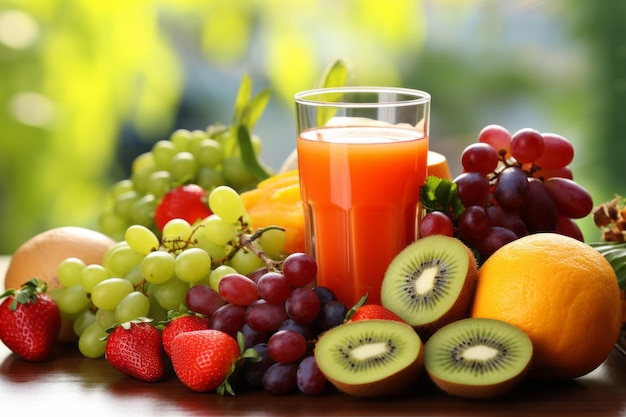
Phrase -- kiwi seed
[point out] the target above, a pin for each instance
(430, 283)
(370, 358)
(477, 357)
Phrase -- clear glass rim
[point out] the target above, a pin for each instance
(411, 97)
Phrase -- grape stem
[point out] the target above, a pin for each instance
(246, 241)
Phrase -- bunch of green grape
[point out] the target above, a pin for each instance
(208, 158)
(147, 276)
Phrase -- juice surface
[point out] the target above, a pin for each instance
(360, 189)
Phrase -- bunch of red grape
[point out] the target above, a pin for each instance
(513, 185)
(280, 316)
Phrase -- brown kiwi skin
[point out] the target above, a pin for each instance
(393, 385)
(480, 391)
(461, 308)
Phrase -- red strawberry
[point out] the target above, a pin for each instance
(185, 202)
(362, 311)
(204, 360)
(374, 311)
(179, 323)
(135, 349)
(30, 321)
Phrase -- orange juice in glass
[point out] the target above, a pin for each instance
(362, 157)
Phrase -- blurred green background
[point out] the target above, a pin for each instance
(85, 86)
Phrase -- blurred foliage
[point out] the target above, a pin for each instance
(87, 85)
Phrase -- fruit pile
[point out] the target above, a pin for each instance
(512, 185)
(218, 155)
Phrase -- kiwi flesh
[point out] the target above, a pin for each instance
(431, 283)
(478, 357)
(370, 358)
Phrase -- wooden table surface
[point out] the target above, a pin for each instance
(71, 385)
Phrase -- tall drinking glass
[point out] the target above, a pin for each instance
(362, 157)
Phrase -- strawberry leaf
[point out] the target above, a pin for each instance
(354, 308)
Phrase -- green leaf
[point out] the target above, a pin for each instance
(334, 76)
(615, 254)
(248, 156)
(242, 100)
(255, 108)
(440, 194)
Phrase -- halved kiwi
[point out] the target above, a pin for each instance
(370, 358)
(478, 357)
(430, 283)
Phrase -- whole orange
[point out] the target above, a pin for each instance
(562, 293)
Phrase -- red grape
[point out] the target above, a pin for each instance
(287, 346)
(253, 371)
(495, 238)
(539, 212)
(498, 137)
(479, 157)
(544, 174)
(473, 223)
(310, 379)
(238, 289)
(436, 223)
(203, 299)
(280, 378)
(472, 188)
(306, 330)
(500, 217)
(324, 294)
(332, 314)
(299, 269)
(302, 305)
(511, 190)
(265, 317)
(568, 227)
(229, 318)
(570, 198)
(252, 336)
(273, 287)
(558, 152)
(526, 145)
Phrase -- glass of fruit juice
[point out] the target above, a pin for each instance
(362, 157)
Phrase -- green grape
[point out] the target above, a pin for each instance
(272, 241)
(105, 318)
(142, 210)
(160, 183)
(176, 234)
(141, 178)
(82, 321)
(158, 267)
(202, 241)
(91, 275)
(219, 231)
(121, 259)
(108, 293)
(134, 305)
(73, 300)
(121, 187)
(171, 294)
(209, 153)
(113, 225)
(209, 178)
(245, 261)
(134, 275)
(142, 161)
(162, 151)
(69, 271)
(123, 203)
(218, 273)
(91, 343)
(192, 265)
(181, 138)
(236, 173)
(197, 136)
(141, 239)
(227, 203)
(156, 313)
(183, 166)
